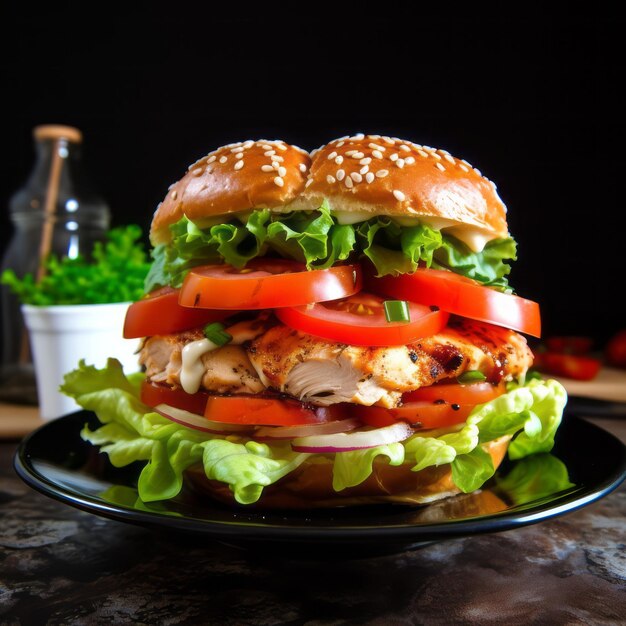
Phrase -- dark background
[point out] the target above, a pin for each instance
(528, 97)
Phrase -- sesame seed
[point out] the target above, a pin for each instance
(197, 171)
(422, 153)
(369, 177)
(248, 144)
(174, 194)
(339, 160)
(239, 165)
(375, 146)
(449, 158)
(382, 173)
(340, 144)
(466, 163)
(357, 155)
(211, 159)
(359, 136)
(405, 148)
(237, 149)
(332, 155)
(464, 167)
(309, 182)
(477, 171)
(276, 157)
(365, 161)
(389, 140)
(330, 179)
(394, 156)
(340, 175)
(281, 146)
(398, 195)
(350, 152)
(440, 166)
(349, 183)
(239, 155)
(223, 159)
(282, 171)
(302, 167)
(435, 156)
(267, 168)
(400, 163)
(377, 153)
(409, 160)
(266, 146)
(275, 164)
(356, 177)
(279, 181)
(365, 169)
(269, 153)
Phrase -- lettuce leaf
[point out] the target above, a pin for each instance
(131, 431)
(535, 477)
(530, 414)
(318, 240)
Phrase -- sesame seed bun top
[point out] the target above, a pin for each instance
(364, 175)
(383, 175)
(236, 177)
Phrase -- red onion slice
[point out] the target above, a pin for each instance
(306, 430)
(346, 442)
(197, 422)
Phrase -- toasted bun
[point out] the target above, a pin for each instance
(311, 485)
(236, 177)
(381, 175)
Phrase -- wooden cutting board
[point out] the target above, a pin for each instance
(17, 420)
(609, 384)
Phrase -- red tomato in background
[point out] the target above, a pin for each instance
(615, 350)
(569, 344)
(567, 365)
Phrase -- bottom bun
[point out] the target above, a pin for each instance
(311, 485)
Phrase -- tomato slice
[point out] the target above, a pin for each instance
(269, 411)
(418, 414)
(266, 283)
(360, 320)
(160, 314)
(456, 393)
(153, 395)
(461, 296)
(567, 365)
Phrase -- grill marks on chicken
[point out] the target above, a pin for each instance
(326, 372)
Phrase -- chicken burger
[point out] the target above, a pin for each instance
(326, 329)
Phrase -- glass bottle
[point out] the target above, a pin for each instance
(57, 212)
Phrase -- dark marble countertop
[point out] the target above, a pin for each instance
(59, 565)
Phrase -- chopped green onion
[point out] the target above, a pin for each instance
(471, 376)
(215, 332)
(397, 311)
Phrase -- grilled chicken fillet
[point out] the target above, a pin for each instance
(325, 372)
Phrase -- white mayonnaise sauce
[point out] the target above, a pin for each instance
(192, 368)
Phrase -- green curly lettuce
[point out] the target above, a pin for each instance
(316, 239)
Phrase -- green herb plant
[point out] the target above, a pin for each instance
(116, 273)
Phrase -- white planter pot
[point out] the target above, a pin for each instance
(61, 336)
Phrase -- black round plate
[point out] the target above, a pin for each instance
(57, 462)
